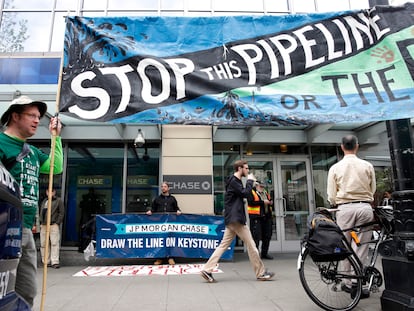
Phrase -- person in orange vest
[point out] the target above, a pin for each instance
(259, 207)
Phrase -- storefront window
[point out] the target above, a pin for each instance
(142, 179)
(222, 168)
(323, 157)
(94, 184)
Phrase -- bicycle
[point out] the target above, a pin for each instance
(323, 280)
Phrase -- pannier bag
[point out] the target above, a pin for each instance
(324, 238)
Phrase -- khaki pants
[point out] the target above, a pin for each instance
(243, 232)
(355, 214)
(53, 256)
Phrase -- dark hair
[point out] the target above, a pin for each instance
(239, 163)
(349, 142)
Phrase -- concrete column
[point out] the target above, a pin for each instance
(188, 150)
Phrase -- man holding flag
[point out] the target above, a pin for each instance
(25, 163)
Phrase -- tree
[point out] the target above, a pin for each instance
(12, 33)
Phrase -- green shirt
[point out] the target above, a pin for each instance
(26, 173)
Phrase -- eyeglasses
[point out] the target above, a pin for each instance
(32, 116)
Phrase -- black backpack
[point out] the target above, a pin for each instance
(324, 238)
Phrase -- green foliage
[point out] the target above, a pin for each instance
(384, 179)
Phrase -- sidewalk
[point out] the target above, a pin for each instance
(236, 289)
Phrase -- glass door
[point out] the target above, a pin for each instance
(294, 202)
(289, 181)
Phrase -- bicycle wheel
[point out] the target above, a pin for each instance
(323, 282)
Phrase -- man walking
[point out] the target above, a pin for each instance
(235, 222)
(56, 219)
(351, 187)
(25, 163)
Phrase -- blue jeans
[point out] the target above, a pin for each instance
(26, 282)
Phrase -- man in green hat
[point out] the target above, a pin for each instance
(25, 163)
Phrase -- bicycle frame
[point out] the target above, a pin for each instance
(323, 280)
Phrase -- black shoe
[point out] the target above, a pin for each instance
(267, 256)
(56, 266)
(207, 276)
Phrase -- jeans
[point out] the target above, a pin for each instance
(26, 283)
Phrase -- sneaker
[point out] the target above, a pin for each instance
(55, 266)
(158, 262)
(207, 276)
(266, 276)
(171, 261)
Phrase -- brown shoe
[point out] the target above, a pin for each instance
(158, 262)
(171, 261)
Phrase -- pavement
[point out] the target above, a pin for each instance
(236, 288)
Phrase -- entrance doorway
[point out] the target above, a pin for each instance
(289, 181)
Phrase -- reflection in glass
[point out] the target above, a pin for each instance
(142, 180)
(13, 33)
(295, 197)
(38, 32)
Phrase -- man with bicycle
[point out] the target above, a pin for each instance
(351, 186)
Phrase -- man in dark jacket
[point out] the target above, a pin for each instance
(259, 208)
(164, 203)
(235, 221)
(56, 219)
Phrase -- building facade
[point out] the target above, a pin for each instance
(293, 161)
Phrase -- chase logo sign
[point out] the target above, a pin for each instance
(189, 184)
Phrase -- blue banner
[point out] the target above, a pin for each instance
(353, 66)
(159, 236)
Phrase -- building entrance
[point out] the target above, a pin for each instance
(289, 180)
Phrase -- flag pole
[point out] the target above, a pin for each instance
(50, 186)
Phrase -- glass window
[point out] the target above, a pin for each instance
(92, 170)
(360, 4)
(66, 5)
(330, 6)
(172, 4)
(29, 5)
(94, 5)
(237, 5)
(303, 6)
(59, 28)
(13, 33)
(199, 5)
(142, 180)
(25, 32)
(132, 13)
(132, 4)
(222, 168)
(275, 6)
(322, 159)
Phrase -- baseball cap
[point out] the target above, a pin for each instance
(21, 101)
(261, 183)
